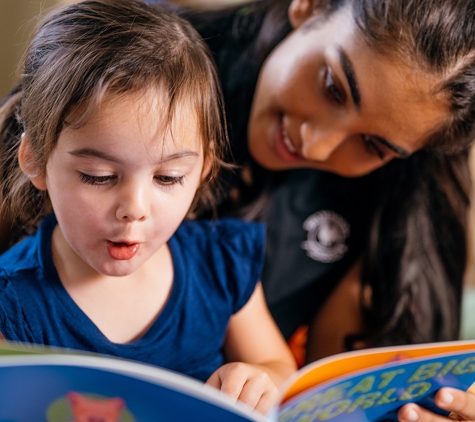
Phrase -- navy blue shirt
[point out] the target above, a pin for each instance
(216, 267)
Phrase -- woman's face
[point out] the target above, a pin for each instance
(326, 100)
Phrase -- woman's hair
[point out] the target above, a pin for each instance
(416, 250)
(85, 53)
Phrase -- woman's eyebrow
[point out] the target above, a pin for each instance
(398, 150)
(91, 152)
(347, 67)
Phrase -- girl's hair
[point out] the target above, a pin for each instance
(416, 250)
(85, 52)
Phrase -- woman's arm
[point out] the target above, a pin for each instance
(259, 358)
(339, 317)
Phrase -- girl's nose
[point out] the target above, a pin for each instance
(134, 204)
(319, 143)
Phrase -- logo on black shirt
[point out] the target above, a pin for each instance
(326, 237)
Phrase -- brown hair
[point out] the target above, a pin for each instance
(92, 49)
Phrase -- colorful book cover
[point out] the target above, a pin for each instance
(371, 385)
(54, 385)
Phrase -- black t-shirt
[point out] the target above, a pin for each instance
(317, 222)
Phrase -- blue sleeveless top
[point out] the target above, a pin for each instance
(216, 267)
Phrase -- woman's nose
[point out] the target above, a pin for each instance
(319, 143)
(134, 204)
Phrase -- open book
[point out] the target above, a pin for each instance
(54, 385)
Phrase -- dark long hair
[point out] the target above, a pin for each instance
(416, 250)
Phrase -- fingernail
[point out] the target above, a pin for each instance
(411, 415)
(446, 397)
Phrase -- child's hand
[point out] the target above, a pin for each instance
(246, 383)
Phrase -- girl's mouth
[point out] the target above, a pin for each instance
(122, 251)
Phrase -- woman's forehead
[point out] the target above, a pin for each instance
(397, 100)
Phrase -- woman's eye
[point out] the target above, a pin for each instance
(169, 180)
(372, 146)
(332, 89)
(95, 180)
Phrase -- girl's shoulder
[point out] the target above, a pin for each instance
(224, 231)
(227, 242)
(30, 252)
(225, 255)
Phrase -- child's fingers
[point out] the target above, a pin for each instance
(230, 379)
(259, 392)
(266, 401)
(249, 385)
(232, 382)
(214, 381)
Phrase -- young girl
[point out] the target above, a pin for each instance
(122, 137)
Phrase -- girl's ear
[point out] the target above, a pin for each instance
(299, 12)
(28, 164)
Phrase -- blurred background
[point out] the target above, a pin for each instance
(18, 19)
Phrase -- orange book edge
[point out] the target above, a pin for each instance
(346, 363)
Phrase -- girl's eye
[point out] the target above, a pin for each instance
(373, 147)
(95, 180)
(331, 88)
(169, 180)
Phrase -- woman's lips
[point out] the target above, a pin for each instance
(122, 251)
(287, 141)
(284, 146)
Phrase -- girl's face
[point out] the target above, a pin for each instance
(121, 185)
(326, 100)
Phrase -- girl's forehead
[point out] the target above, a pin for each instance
(137, 118)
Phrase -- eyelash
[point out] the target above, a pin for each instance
(169, 181)
(95, 180)
(331, 87)
(372, 146)
(166, 181)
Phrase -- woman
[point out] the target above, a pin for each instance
(351, 121)
(363, 110)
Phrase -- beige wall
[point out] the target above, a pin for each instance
(17, 20)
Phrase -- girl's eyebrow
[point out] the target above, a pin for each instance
(90, 152)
